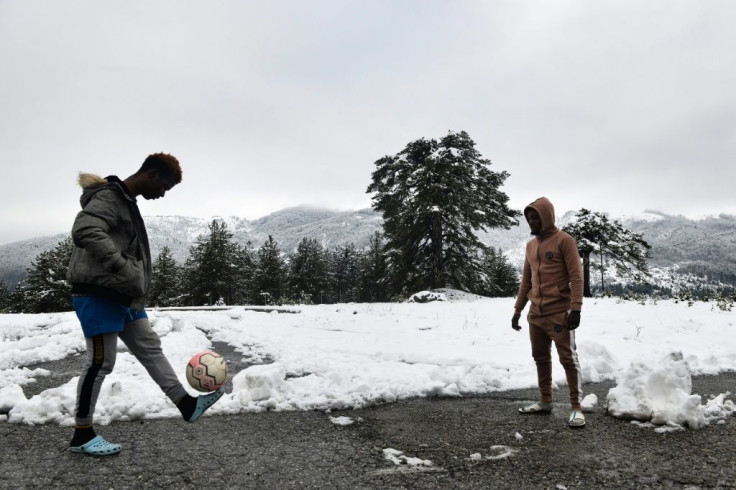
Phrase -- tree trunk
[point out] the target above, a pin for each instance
(603, 286)
(438, 280)
(586, 275)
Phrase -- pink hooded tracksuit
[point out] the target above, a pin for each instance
(552, 280)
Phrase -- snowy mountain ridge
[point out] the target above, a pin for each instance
(704, 246)
(287, 226)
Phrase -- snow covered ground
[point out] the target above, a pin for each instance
(354, 355)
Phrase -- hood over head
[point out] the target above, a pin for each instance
(546, 212)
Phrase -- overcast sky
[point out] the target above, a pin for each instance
(618, 106)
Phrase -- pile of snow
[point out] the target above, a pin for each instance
(661, 394)
(445, 294)
(10, 396)
(265, 385)
(426, 297)
(460, 296)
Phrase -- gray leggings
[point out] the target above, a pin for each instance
(144, 344)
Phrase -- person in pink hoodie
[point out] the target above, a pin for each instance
(552, 281)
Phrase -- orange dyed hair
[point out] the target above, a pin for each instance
(163, 162)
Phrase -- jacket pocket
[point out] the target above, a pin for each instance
(132, 246)
(564, 291)
(534, 296)
(132, 278)
(550, 295)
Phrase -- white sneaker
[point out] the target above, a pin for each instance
(537, 407)
(577, 419)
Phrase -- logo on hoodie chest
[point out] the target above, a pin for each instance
(549, 255)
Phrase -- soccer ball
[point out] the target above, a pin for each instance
(206, 371)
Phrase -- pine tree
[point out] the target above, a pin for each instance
(435, 196)
(212, 269)
(345, 275)
(16, 300)
(269, 280)
(4, 296)
(373, 271)
(245, 267)
(308, 272)
(166, 281)
(45, 289)
(500, 279)
(614, 245)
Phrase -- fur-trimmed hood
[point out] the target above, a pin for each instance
(91, 184)
(86, 180)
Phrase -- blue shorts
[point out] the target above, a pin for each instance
(98, 315)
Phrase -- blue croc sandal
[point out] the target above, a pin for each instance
(204, 402)
(97, 447)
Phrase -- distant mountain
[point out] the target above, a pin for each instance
(704, 247)
(16, 257)
(288, 227)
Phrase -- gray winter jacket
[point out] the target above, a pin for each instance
(111, 256)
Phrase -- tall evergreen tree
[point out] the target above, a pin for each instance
(16, 300)
(500, 279)
(269, 280)
(614, 245)
(212, 273)
(308, 272)
(45, 288)
(166, 281)
(435, 196)
(245, 267)
(345, 274)
(373, 271)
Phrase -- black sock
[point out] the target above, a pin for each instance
(82, 435)
(186, 406)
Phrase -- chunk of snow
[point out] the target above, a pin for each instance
(10, 396)
(589, 402)
(342, 420)
(426, 297)
(660, 394)
(398, 457)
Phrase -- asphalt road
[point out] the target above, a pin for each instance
(283, 450)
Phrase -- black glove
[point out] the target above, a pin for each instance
(573, 320)
(515, 322)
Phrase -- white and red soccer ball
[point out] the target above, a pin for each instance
(206, 371)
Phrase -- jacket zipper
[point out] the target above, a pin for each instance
(539, 278)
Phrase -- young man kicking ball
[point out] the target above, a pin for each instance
(110, 273)
(552, 280)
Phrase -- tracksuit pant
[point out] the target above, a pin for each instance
(543, 330)
(144, 344)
